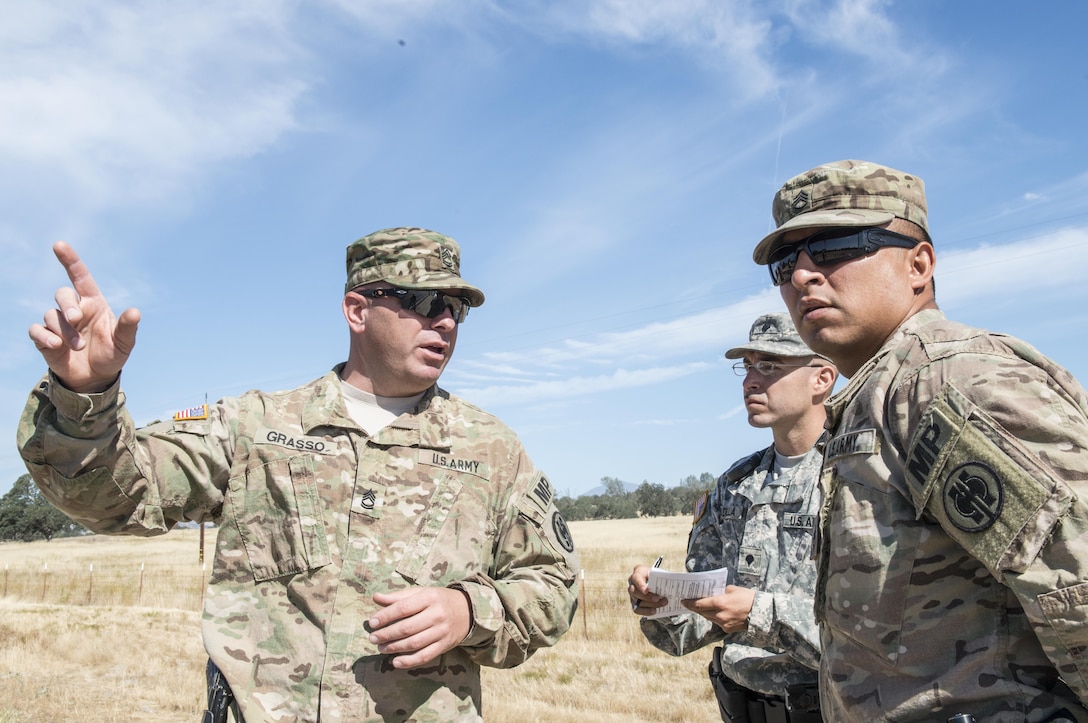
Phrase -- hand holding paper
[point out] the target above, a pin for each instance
(677, 586)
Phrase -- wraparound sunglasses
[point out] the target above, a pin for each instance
(428, 302)
(833, 246)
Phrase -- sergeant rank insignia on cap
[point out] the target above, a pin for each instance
(200, 412)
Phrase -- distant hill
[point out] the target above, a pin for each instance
(599, 489)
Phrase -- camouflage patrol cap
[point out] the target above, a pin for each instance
(411, 258)
(772, 334)
(844, 193)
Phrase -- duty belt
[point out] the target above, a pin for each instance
(737, 704)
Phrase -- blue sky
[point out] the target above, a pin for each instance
(606, 165)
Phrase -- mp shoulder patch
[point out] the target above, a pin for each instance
(543, 491)
(998, 502)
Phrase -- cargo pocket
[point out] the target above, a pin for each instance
(1065, 610)
(869, 571)
(279, 518)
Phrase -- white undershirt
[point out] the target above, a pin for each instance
(783, 464)
(372, 412)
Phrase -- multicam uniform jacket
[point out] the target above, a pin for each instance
(762, 531)
(315, 518)
(955, 570)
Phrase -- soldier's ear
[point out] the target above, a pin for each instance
(825, 379)
(355, 310)
(923, 261)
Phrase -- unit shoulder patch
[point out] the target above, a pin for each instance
(973, 496)
(562, 532)
(997, 500)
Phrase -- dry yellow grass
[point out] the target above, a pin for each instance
(115, 643)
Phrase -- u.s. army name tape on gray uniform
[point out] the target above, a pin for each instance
(763, 533)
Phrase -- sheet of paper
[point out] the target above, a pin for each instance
(677, 586)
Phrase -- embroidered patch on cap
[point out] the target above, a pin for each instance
(800, 201)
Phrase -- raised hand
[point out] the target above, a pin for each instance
(81, 340)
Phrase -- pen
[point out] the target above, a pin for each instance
(635, 605)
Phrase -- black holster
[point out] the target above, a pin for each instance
(732, 699)
(220, 697)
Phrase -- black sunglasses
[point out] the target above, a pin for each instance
(833, 246)
(427, 302)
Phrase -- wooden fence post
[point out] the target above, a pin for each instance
(582, 587)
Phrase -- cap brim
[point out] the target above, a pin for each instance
(818, 219)
(779, 349)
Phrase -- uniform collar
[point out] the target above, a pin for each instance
(836, 405)
(791, 487)
(428, 425)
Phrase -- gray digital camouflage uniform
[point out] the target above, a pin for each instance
(315, 518)
(956, 575)
(762, 531)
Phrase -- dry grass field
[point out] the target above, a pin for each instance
(108, 629)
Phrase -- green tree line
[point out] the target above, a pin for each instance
(26, 515)
(647, 500)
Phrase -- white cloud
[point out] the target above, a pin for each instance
(902, 79)
(732, 412)
(128, 100)
(985, 274)
(1061, 201)
(703, 332)
(853, 26)
(734, 36)
(577, 385)
(1041, 263)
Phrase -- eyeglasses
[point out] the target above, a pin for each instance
(834, 246)
(766, 368)
(427, 302)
